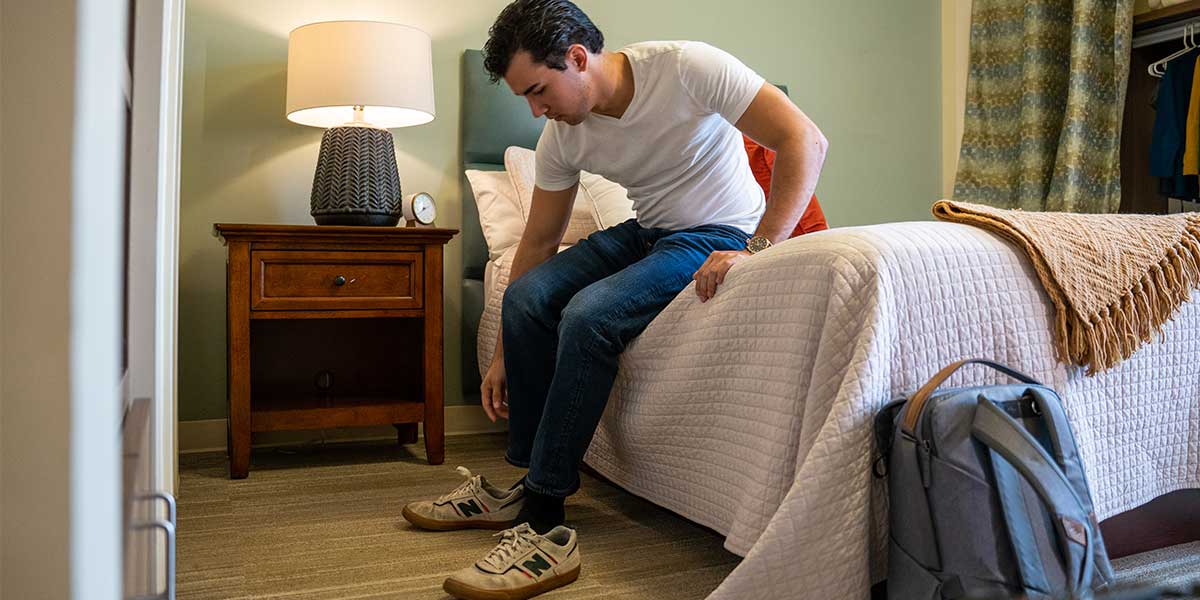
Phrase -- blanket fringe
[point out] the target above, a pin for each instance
(1114, 333)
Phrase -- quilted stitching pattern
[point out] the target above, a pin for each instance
(751, 413)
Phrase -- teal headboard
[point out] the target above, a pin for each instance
(493, 118)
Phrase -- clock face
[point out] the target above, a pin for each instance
(420, 207)
(424, 208)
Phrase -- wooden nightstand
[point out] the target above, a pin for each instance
(333, 326)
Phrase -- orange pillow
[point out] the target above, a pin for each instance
(762, 163)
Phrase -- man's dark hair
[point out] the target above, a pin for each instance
(544, 28)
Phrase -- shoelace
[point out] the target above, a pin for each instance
(513, 543)
(466, 486)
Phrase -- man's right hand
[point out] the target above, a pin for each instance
(494, 390)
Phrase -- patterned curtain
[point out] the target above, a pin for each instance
(1045, 96)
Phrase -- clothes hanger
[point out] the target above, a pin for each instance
(1159, 68)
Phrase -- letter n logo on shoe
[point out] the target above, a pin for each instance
(537, 565)
(469, 508)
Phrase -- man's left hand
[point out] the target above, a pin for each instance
(712, 272)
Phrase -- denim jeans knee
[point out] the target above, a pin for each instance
(588, 315)
(520, 300)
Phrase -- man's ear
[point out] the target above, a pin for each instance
(578, 55)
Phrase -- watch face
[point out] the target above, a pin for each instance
(757, 244)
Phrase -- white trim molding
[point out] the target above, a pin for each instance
(166, 305)
(956, 47)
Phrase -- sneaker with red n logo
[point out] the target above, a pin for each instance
(476, 504)
(523, 565)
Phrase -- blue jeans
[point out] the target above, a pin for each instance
(566, 322)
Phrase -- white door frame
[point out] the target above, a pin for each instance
(166, 313)
(154, 225)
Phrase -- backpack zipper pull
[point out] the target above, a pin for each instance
(924, 451)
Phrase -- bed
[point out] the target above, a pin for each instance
(751, 413)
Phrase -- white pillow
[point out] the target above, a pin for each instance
(499, 212)
(521, 165)
(610, 202)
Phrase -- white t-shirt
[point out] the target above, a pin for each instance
(675, 148)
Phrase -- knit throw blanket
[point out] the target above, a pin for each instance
(1114, 279)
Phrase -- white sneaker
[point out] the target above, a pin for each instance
(523, 565)
(476, 504)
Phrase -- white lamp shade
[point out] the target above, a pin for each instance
(383, 67)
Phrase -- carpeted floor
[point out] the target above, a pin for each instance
(324, 522)
(1175, 566)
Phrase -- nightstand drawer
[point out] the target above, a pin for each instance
(305, 280)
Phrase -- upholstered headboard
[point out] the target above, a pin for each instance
(493, 118)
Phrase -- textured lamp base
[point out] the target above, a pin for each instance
(356, 181)
(358, 219)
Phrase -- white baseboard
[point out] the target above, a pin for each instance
(209, 435)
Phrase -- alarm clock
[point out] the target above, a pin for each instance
(419, 209)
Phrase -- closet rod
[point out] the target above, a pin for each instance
(1161, 34)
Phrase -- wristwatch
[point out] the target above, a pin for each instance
(757, 244)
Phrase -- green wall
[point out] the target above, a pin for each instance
(866, 72)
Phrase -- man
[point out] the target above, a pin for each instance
(663, 120)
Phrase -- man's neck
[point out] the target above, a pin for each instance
(614, 86)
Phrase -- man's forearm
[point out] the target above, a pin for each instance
(529, 255)
(797, 166)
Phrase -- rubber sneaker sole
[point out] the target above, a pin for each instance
(466, 592)
(436, 525)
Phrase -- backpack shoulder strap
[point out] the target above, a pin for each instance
(1010, 443)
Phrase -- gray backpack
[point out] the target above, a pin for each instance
(987, 494)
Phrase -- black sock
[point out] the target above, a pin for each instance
(542, 512)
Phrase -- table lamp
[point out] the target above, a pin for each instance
(358, 79)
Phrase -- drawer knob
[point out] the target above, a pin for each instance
(339, 280)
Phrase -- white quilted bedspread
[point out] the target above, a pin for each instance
(751, 414)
